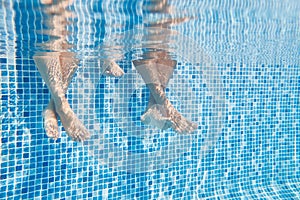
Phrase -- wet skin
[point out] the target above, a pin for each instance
(156, 71)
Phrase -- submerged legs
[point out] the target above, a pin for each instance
(57, 71)
(160, 112)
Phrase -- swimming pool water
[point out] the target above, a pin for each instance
(237, 77)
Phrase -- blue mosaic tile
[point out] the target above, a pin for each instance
(246, 104)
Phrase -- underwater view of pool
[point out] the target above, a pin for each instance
(150, 99)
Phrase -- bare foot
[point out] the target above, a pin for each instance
(180, 124)
(156, 116)
(73, 126)
(164, 118)
(47, 2)
(50, 121)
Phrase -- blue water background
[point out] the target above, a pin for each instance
(253, 50)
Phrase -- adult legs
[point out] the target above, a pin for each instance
(57, 70)
(160, 112)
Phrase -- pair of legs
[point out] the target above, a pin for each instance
(57, 70)
(156, 71)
